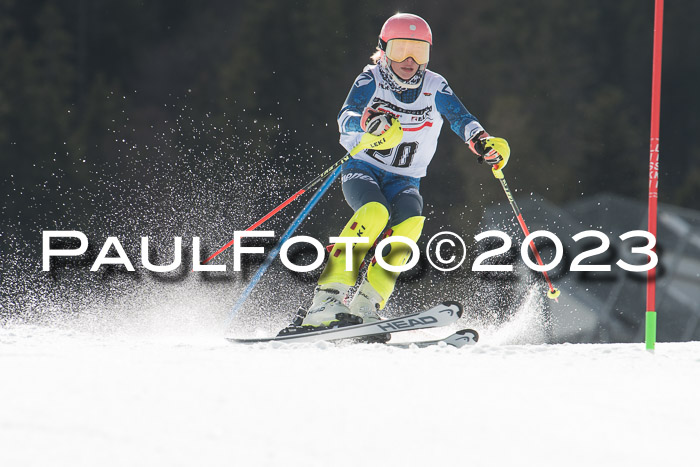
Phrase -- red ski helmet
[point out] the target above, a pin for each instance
(406, 26)
(405, 35)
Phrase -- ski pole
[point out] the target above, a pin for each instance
(498, 173)
(275, 251)
(386, 140)
(306, 188)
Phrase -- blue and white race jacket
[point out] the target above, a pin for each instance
(421, 120)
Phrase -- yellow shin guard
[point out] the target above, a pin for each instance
(368, 222)
(383, 281)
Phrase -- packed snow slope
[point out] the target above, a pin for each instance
(74, 398)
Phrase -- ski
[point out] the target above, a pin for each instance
(459, 339)
(441, 315)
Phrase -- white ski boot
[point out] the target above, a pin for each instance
(365, 303)
(327, 303)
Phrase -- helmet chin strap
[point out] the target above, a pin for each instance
(395, 82)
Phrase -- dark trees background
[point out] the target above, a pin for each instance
(567, 83)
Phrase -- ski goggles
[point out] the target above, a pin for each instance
(398, 50)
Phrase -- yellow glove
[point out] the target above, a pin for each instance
(387, 140)
(494, 151)
(375, 121)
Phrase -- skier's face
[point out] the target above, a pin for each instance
(406, 69)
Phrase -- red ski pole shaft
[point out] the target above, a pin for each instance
(389, 139)
(553, 292)
(267, 216)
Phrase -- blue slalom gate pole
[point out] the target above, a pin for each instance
(286, 236)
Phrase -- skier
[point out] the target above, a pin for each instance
(382, 187)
